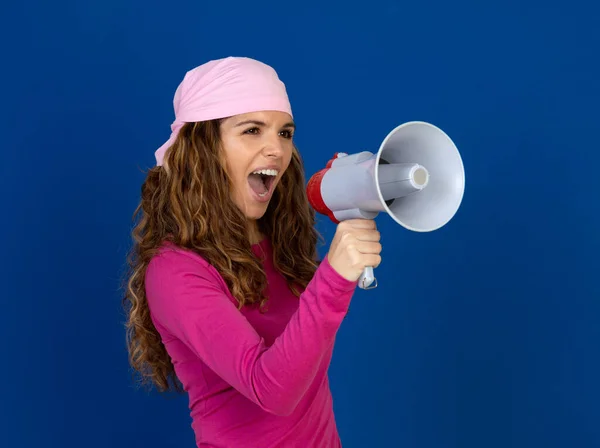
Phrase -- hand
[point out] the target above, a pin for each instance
(355, 246)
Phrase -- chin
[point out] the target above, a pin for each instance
(256, 211)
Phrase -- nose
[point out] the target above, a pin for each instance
(273, 147)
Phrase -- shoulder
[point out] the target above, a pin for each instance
(182, 287)
(171, 251)
(173, 265)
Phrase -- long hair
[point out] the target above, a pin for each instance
(188, 202)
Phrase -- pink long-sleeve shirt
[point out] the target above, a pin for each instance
(253, 380)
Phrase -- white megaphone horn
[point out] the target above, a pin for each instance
(417, 177)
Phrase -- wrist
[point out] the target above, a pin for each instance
(339, 279)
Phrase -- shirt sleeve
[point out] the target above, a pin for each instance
(188, 298)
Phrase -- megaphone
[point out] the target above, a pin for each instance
(417, 176)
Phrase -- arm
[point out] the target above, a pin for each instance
(187, 298)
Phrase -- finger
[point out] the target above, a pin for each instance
(361, 223)
(368, 235)
(368, 247)
(372, 261)
(376, 260)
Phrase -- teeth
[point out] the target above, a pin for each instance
(266, 172)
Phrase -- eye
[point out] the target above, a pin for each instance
(253, 130)
(287, 134)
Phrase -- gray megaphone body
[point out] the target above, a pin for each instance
(417, 177)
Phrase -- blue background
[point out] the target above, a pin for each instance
(482, 334)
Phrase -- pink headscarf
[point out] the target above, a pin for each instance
(222, 88)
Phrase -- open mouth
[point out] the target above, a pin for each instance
(261, 181)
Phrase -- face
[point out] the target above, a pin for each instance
(258, 149)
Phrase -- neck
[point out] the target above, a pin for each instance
(254, 234)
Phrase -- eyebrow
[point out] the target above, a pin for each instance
(289, 124)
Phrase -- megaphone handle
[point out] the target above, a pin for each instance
(366, 278)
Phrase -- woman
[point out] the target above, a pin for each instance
(226, 297)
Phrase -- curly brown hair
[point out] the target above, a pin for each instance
(187, 202)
